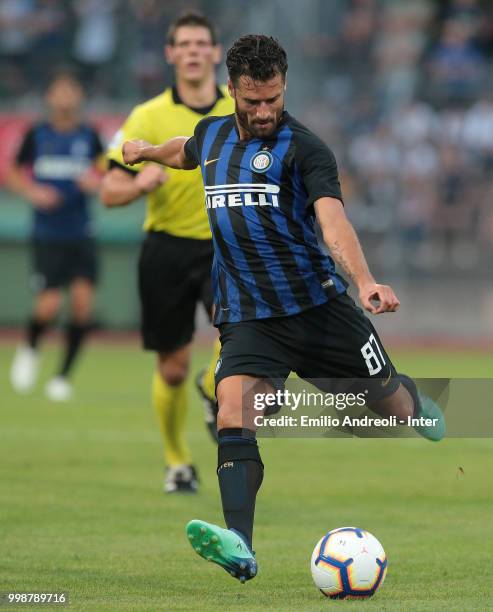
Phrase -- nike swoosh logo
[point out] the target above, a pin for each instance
(210, 161)
(386, 382)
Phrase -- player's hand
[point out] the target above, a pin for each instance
(378, 298)
(44, 197)
(89, 181)
(150, 178)
(133, 151)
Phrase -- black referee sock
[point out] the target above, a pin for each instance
(410, 385)
(240, 472)
(35, 329)
(75, 335)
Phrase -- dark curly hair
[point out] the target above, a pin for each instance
(257, 56)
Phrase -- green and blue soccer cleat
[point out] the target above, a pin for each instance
(429, 409)
(224, 547)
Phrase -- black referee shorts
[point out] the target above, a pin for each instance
(325, 345)
(58, 264)
(174, 275)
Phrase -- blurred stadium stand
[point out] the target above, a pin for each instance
(401, 91)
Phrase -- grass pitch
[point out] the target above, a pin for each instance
(82, 509)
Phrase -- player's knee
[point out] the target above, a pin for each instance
(47, 306)
(174, 377)
(81, 316)
(173, 367)
(82, 300)
(173, 373)
(229, 415)
(231, 404)
(48, 313)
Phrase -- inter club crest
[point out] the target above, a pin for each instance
(261, 161)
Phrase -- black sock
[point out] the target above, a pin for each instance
(240, 472)
(75, 335)
(410, 385)
(35, 330)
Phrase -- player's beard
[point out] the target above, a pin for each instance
(251, 127)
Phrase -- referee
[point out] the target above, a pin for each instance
(176, 255)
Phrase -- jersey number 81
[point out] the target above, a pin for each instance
(373, 362)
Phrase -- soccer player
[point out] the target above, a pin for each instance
(279, 304)
(56, 170)
(176, 256)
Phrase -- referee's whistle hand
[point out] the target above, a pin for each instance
(133, 151)
(377, 298)
(150, 178)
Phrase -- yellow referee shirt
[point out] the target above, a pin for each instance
(177, 207)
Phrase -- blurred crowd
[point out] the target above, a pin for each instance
(115, 45)
(407, 105)
(400, 90)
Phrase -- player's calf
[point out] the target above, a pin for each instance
(400, 404)
(240, 472)
(409, 405)
(428, 419)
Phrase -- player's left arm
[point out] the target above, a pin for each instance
(173, 153)
(318, 167)
(340, 237)
(181, 152)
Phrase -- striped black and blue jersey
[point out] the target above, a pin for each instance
(59, 159)
(259, 198)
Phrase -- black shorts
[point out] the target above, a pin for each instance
(174, 275)
(333, 342)
(58, 264)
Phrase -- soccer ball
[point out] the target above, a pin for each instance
(348, 563)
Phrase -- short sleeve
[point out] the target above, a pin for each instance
(193, 146)
(318, 169)
(135, 127)
(192, 151)
(25, 154)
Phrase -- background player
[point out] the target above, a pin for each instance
(176, 256)
(280, 305)
(55, 170)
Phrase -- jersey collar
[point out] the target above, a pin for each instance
(201, 110)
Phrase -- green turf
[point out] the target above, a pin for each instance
(82, 510)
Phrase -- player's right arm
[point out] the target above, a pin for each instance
(19, 179)
(173, 153)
